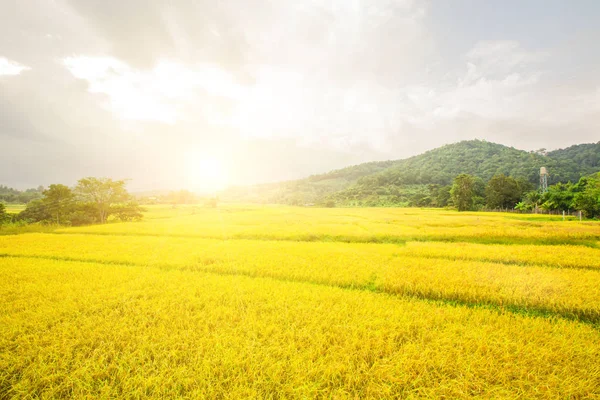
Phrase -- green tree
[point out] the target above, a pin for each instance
(478, 193)
(559, 197)
(330, 204)
(36, 211)
(102, 194)
(4, 217)
(462, 192)
(530, 201)
(587, 196)
(59, 202)
(524, 186)
(130, 211)
(502, 192)
(442, 199)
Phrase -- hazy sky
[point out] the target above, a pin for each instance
(157, 90)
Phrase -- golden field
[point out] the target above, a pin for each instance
(283, 302)
(376, 225)
(14, 208)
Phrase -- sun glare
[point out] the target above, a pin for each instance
(205, 173)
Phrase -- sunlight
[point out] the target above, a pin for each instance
(205, 173)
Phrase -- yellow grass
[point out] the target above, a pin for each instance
(74, 330)
(358, 225)
(569, 292)
(283, 302)
(14, 208)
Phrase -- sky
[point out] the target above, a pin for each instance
(204, 94)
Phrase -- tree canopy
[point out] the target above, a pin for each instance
(59, 201)
(92, 200)
(502, 192)
(463, 191)
(100, 194)
(4, 217)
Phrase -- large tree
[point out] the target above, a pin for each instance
(502, 192)
(462, 192)
(102, 194)
(35, 211)
(59, 201)
(559, 197)
(4, 217)
(587, 196)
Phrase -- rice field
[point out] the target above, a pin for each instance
(283, 302)
(14, 208)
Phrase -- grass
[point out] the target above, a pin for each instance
(19, 228)
(235, 303)
(135, 332)
(429, 271)
(360, 225)
(14, 208)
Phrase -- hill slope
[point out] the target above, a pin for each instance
(438, 166)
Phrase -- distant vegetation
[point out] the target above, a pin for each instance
(92, 200)
(470, 175)
(502, 178)
(10, 195)
(175, 198)
(505, 193)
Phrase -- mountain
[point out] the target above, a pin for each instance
(395, 182)
(584, 158)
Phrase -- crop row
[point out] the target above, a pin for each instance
(357, 225)
(76, 330)
(404, 270)
(146, 249)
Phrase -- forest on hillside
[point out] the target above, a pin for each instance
(408, 181)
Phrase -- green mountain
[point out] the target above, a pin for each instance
(396, 182)
(583, 158)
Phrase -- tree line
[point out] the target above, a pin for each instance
(10, 195)
(505, 192)
(90, 201)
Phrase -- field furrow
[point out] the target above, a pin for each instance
(565, 292)
(351, 226)
(287, 302)
(81, 329)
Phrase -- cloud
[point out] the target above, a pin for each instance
(499, 82)
(141, 32)
(316, 71)
(8, 67)
(315, 36)
(158, 94)
(496, 58)
(279, 89)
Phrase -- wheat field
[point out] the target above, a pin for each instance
(282, 302)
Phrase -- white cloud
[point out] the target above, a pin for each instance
(158, 94)
(499, 81)
(318, 79)
(8, 67)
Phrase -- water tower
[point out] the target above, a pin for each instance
(544, 179)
